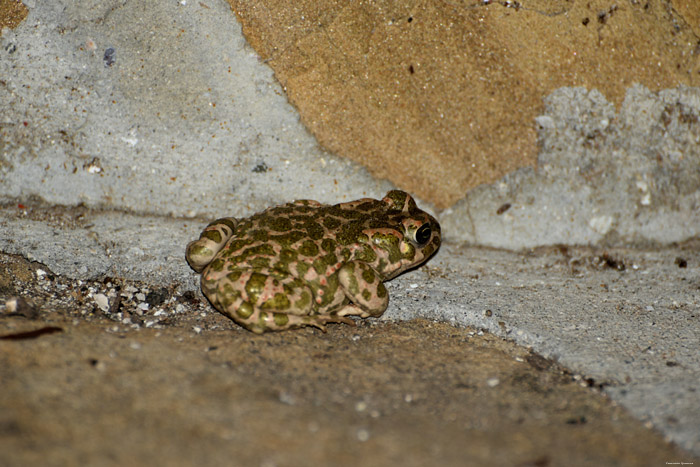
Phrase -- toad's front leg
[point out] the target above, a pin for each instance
(363, 286)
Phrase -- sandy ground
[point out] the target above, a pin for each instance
(87, 386)
(83, 386)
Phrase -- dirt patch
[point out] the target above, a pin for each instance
(180, 384)
(440, 97)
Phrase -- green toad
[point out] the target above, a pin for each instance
(308, 264)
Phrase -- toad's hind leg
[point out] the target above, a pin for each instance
(211, 241)
(263, 302)
(364, 289)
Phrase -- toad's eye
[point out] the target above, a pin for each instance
(422, 235)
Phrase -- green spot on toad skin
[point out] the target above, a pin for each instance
(399, 199)
(277, 224)
(255, 286)
(390, 244)
(209, 287)
(368, 275)
(303, 302)
(237, 244)
(259, 235)
(329, 259)
(228, 295)
(332, 284)
(320, 266)
(328, 245)
(314, 230)
(381, 290)
(366, 255)
(228, 223)
(278, 302)
(303, 268)
(234, 275)
(287, 255)
(213, 235)
(308, 248)
(260, 263)
(351, 233)
(280, 319)
(245, 310)
(217, 265)
(331, 223)
(367, 206)
(366, 295)
(199, 250)
(263, 250)
(346, 213)
(353, 285)
(410, 251)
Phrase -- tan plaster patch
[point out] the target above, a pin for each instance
(12, 12)
(440, 97)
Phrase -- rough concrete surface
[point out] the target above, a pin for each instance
(603, 177)
(153, 107)
(124, 128)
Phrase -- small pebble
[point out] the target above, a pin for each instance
(102, 301)
(493, 382)
(11, 305)
(314, 427)
(287, 398)
(109, 57)
(362, 434)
